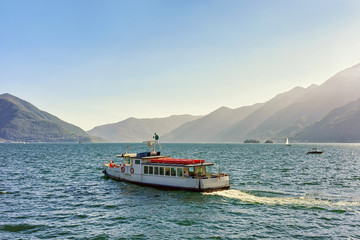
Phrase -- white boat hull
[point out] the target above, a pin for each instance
(213, 183)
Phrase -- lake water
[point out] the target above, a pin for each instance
(58, 191)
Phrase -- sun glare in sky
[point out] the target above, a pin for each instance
(97, 62)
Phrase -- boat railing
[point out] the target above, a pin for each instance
(217, 175)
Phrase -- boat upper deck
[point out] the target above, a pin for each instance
(154, 158)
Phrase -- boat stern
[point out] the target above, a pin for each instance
(215, 183)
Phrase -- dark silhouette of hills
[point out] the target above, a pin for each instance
(248, 126)
(137, 130)
(290, 114)
(326, 113)
(21, 121)
(209, 127)
(340, 125)
(338, 91)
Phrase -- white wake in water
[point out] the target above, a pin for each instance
(297, 201)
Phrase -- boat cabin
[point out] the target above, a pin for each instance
(152, 169)
(156, 165)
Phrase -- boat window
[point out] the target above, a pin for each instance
(179, 172)
(146, 169)
(167, 171)
(162, 171)
(127, 160)
(156, 170)
(137, 161)
(173, 172)
(208, 169)
(151, 170)
(191, 169)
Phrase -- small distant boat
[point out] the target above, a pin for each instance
(315, 151)
(152, 169)
(287, 142)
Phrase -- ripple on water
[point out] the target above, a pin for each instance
(22, 227)
(58, 191)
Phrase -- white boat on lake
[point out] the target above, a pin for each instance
(152, 169)
(287, 142)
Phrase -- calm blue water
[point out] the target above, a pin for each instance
(58, 191)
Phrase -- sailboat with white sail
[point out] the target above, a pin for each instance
(287, 142)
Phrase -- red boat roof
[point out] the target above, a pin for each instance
(177, 161)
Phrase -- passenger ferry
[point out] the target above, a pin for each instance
(152, 169)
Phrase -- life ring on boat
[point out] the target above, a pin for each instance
(122, 169)
(132, 170)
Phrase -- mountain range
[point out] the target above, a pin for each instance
(319, 113)
(20, 121)
(329, 112)
(137, 130)
(340, 125)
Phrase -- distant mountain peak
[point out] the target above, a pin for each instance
(22, 121)
(137, 129)
(312, 86)
(6, 95)
(302, 112)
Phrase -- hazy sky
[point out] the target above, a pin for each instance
(97, 62)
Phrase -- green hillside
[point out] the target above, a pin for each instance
(22, 121)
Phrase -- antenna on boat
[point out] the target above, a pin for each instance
(152, 144)
(156, 137)
(127, 149)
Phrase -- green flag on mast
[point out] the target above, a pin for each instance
(156, 137)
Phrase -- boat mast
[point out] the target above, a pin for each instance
(152, 144)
